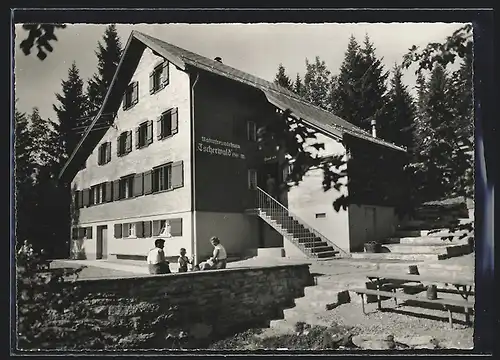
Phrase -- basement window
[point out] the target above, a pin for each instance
(320, 215)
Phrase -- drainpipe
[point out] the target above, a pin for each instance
(193, 193)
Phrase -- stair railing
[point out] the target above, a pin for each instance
(292, 223)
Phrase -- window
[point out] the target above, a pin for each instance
(131, 96)
(320, 215)
(162, 178)
(167, 124)
(252, 179)
(158, 78)
(167, 228)
(104, 153)
(252, 131)
(128, 230)
(144, 134)
(98, 194)
(124, 145)
(125, 187)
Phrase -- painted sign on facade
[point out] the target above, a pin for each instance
(220, 148)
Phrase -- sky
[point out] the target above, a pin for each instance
(254, 48)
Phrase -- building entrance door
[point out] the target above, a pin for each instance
(370, 224)
(102, 242)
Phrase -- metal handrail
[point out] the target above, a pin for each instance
(302, 223)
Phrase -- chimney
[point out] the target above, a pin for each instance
(219, 59)
(374, 129)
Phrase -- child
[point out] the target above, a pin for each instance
(184, 261)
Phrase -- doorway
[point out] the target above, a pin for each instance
(268, 168)
(370, 224)
(102, 242)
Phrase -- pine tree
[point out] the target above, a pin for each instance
(359, 94)
(318, 84)
(298, 86)
(72, 108)
(282, 78)
(400, 113)
(108, 57)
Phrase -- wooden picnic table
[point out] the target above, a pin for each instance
(463, 285)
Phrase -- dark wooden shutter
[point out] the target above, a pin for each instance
(159, 127)
(137, 137)
(139, 229)
(74, 233)
(135, 93)
(118, 231)
(108, 151)
(165, 75)
(118, 142)
(109, 191)
(152, 82)
(177, 174)
(148, 183)
(99, 155)
(128, 142)
(174, 121)
(175, 227)
(116, 190)
(124, 100)
(76, 199)
(150, 132)
(91, 195)
(147, 228)
(138, 184)
(86, 197)
(80, 199)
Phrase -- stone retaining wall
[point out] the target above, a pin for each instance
(142, 311)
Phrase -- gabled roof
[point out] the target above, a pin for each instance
(277, 95)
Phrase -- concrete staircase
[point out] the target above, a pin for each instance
(426, 237)
(304, 237)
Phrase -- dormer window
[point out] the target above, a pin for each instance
(159, 78)
(131, 96)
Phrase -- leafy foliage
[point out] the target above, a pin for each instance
(40, 35)
(318, 83)
(459, 44)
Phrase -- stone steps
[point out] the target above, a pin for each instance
(411, 248)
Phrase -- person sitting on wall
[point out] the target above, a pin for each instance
(184, 261)
(157, 263)
(219, 256)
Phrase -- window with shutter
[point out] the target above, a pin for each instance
(152, 82)
(86, 197)
(142, 135)
(138, 184)
(162, 178)
(165, 75)
(177, 174)
(116, 190)
(168, 124)
(118, 231)
(88, 232)
(99, 155)
(80, 200)
(176, 227)
(76, 199)
(148, 184)
(108, 152)
(128, 142)
(109, 191)
(131, 96)
(74, 233)
(251, 131)
(139, 229)
(252, 179)
(158, 225)
(150, 132)
(147, 228)
(158, 79)
(81, 233)
(135, 93)
(122, 146)
(126, 185)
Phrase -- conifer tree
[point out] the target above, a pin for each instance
(71, 109)
(108, 56)
(282, 78)
(318, 84)
(298, 86)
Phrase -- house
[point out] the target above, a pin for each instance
(179, 160)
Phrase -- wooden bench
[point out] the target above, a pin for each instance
(446, 303)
